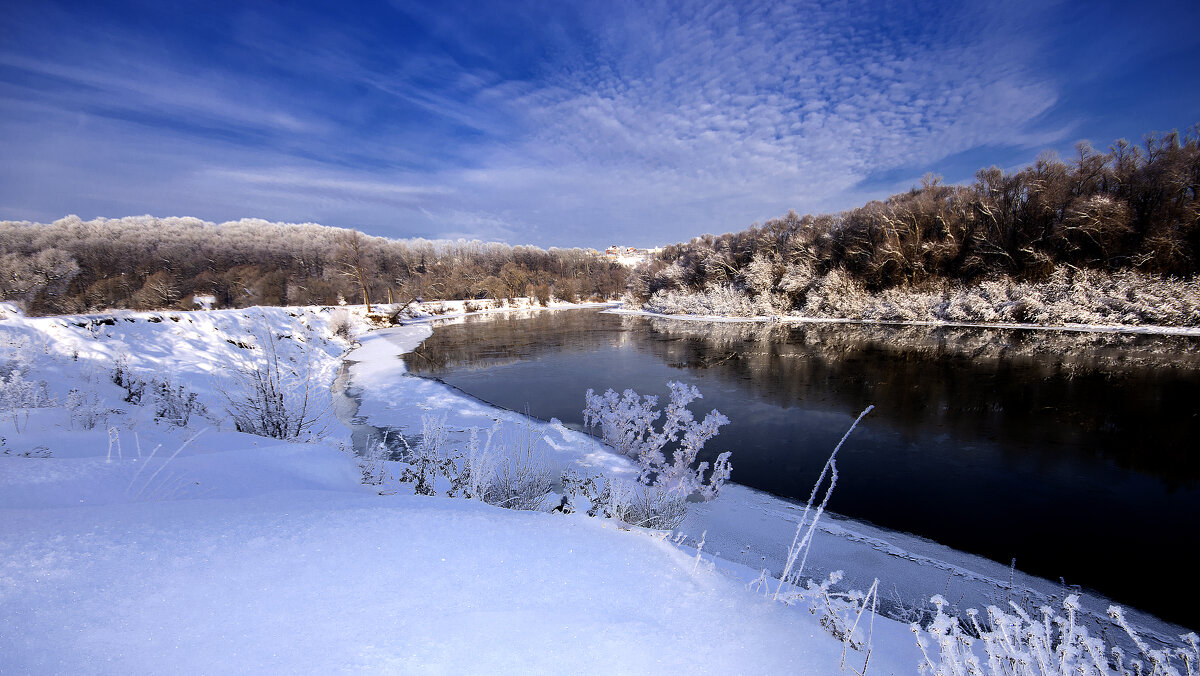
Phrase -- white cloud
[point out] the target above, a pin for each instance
(670, 121)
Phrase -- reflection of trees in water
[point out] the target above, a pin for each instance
(1127, 397)
(1063, 349)
(500, 339)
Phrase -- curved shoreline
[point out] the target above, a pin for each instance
(748, 530)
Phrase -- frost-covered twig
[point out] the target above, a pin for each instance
(802, 541)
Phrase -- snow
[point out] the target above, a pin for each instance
(137, 546)
(391, 398)
(745, 527)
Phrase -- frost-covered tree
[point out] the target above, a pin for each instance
(124, 263)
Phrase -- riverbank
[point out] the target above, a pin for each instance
(765, 523)
(1066, 297)
(135, 538)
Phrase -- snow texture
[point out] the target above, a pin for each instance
(137, 546)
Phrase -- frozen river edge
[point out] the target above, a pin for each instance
(748, 531)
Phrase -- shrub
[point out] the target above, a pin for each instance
(274, 397)
(123, 377)
(515, 476)
(520, 478)
(86, 409)
(175, 403)
(425, 462)
(1021, 643)
(630, 502)
(519, 481)
(19, 394)
(836, 294)
(626, 422)
(341, 325)
(720, 300)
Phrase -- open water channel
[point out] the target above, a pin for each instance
(1072, 453)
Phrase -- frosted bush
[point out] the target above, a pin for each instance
(174, 403)
(722, 300)
(797, 277)
(274, 396)
(341, 325)
(424, 463)
(630, 502)
(123, 377)
(508, 472)
(971, 306)
(471, 471)
(18, 395)
(85, 408)
(626, 422)
(770, 303)
(521, 480)
(1043, 643)
(520, 477)
(836, 294)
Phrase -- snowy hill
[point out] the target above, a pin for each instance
(132, 544)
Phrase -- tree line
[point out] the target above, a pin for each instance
(1133, 207)
(73, 265)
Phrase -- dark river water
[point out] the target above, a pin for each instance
(1073, 453)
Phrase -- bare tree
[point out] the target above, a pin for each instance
(355, 263)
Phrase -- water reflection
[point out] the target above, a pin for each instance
(1064, 450)
(1115, 395)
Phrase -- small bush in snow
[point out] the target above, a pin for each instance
(18, 395)
(123, 377)
(424, 463)
(626, 423)
(174, 403)
(471, 471)
(86, 409)
(633, 503)
(275, 397)
(341, 324)
(520, 481)
(1021, 643)
(520, 478)
(503, 470)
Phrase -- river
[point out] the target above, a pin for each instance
(1071, 453)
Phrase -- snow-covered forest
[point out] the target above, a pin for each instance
(1103, 237)
(143, 262)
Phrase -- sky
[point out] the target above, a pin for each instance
(560, 123)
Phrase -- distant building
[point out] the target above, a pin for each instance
(628, 255)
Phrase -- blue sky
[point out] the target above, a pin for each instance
(560, 123)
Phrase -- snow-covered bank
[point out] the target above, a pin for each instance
(131, 545)
(754, 530)
(390, 398)
(334, 580)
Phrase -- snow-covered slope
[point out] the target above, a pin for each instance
(136, 546)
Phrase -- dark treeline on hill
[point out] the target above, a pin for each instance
(1133, 208)
(72, 266)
